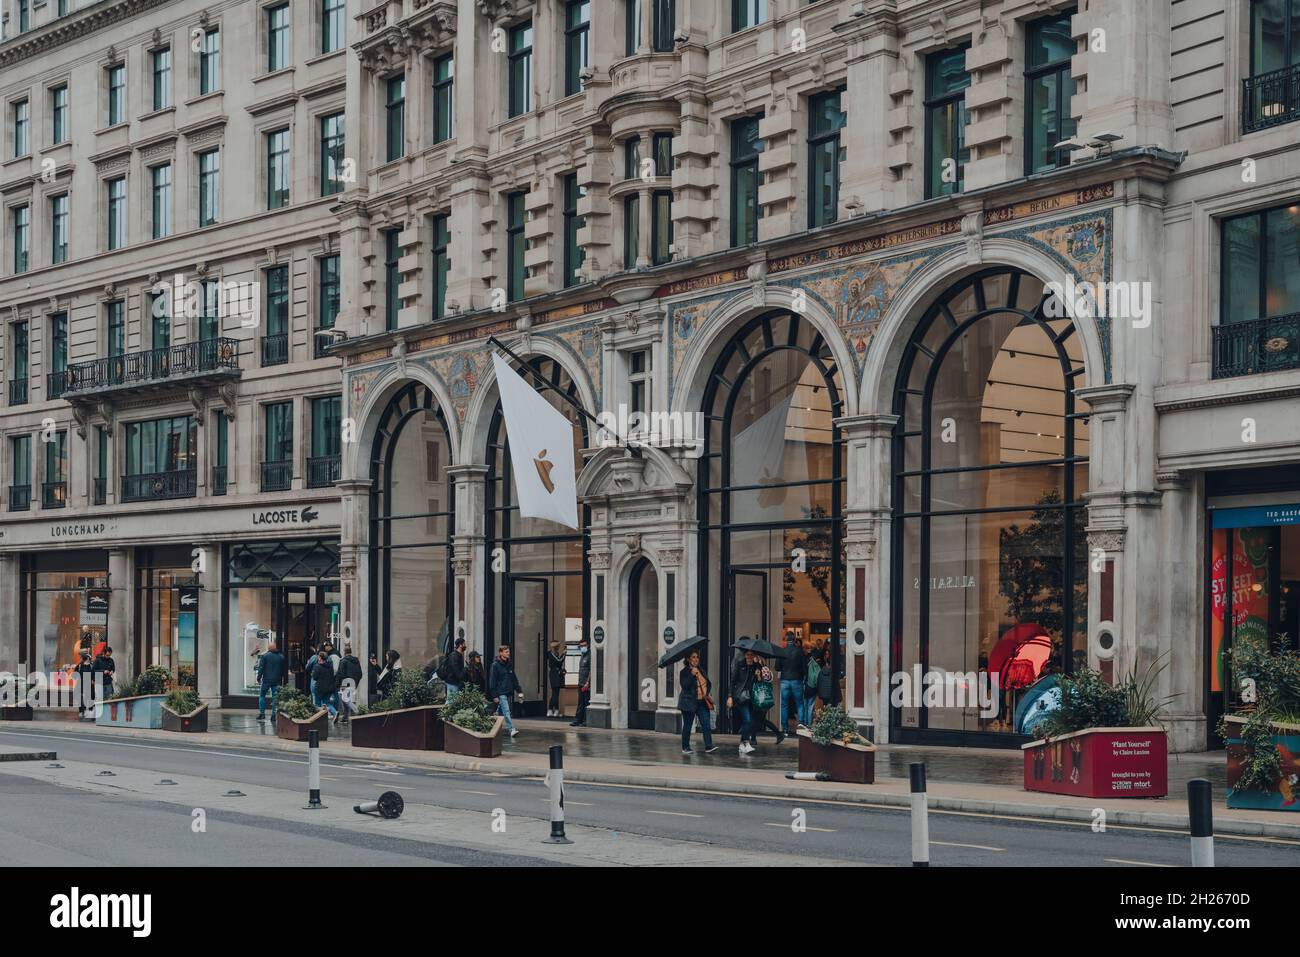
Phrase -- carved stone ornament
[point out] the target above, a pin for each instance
(599, 561)
(633, 542)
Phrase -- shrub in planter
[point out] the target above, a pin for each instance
(182, 711)
(470, 727)
(406, 719)
(834, 747)
(296, 717)
(1103, 740)
(155, 680)
(1263, 743)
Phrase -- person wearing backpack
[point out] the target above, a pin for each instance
(452, 668)
(349, 675)
(794, 671)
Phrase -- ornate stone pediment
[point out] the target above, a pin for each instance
(390, 41)
(496, 9)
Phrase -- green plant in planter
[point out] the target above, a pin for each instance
(469, 709)
(182, 700)
(155, 680)
(833, 725)
(128, 688)
(1272, 678)
(296, 705)
(1087, 701)
(410, 690)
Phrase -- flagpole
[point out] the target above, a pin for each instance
(537, 376)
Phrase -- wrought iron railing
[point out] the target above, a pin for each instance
(275, 349)
(54, 385)
(323, 471)
(54, 494)
(207, 355)
(20, 498)
(1270, 99)
(1260, 345)
(17, 391)
(321, 343)
(100, 491)
(218, 480)
(155, 486)
(277, 476)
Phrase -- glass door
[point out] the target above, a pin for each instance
(530, 634)
(295, 625)
(749, 601)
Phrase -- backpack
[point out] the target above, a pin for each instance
(443, 670)
(814, 672)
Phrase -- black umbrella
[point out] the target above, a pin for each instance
(682, 650)
(764, 649)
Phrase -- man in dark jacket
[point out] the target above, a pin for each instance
(326, 683)
(794, 669)
(502, 685)
(270, 672)
(584, 683)
(102, 672)
(452, 668)
(349, 676)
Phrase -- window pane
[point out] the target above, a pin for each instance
(1050, 41)
(1241, 265)
(1282, 267)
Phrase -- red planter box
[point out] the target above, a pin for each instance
(473, 744)
(411, 729)
(293, 730)
(195, 721)
(1100, 763)
(847, 763)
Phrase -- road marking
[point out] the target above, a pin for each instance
(490, 794)
(977, 847)
(806, 827)
(1120, 860)
(674, 813)
(568, 803)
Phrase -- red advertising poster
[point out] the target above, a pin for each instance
(1250, 591)
(1101, 762)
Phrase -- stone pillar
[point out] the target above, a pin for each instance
(873, 65)
(1180, 629)
(354, 571)
(470, 561)
(208, 637)
(867, 591)
(600, 712)
(11, 641)
(121, 637)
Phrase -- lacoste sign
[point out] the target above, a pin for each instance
(286, 516)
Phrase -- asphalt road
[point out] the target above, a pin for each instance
(833, 832)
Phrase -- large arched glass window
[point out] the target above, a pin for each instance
(991, 465)
(771, 492)
(536, 583)
(411, 507)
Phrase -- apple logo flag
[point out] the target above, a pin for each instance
(541, 450)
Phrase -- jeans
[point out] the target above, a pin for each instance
(706, 725)
(452, 689)
(261, 699)
(747, 723)
(503, 709)
(793, 697)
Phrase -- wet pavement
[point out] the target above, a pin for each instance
(652, 749)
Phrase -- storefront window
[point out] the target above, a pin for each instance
(991, 454)
(70, 615)
(170, 627)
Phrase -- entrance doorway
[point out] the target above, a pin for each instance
(642, 646)
(295, 623)
(530, 634)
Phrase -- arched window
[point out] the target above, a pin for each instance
(412, 500)
(991, 463)
(771, 493)
(536, 583)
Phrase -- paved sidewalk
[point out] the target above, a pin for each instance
(526, 757)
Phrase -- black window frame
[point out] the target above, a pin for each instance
(574, 255)
(516, 245)
(577, 45)
(209, 196)
(392, 276)
(816, 140)
(278, 52)
(441, 227)
(519, 64)
(333, 146)
(210, 62)
(1061, 69)
(395, 117)
(444, 98)
(935, 105)
(738, 162)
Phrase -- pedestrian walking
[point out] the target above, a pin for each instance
(270, 675)
(102, 672)
(349, 675)
(762, 698)
(502, 685)
(475, 677)
(743, 669)
(85, 683)
(826, 682)
(694, 703)
(554, 678)
(385, 678)
(333, 658)
(452, 668)
(794, 669)
(326, 684)
(584, 683)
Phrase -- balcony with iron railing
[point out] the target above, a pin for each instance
(323, 471)
(321, 342)
(159, 486)
(100, 491)
(192, 363)
(54, 494)
(20, 498)
(219, 483)
(277, 476)
(275, 349)
(1259, 345)
(17, 391)
(54, 383)
(1270, 99)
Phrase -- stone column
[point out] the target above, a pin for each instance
(208, 636)
(603, 673)
(354, 571)
(11, 641)
(121, 637)
(873, 62)
(1180, 630)
(867, 592)
(470, 561)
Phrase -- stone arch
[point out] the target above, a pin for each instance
(928, 283)
(705, 347)
(356, 458)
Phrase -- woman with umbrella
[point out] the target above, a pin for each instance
(693, 702)
(743, 669)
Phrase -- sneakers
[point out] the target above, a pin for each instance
(780, 736)
(710, 750)
(261, 717)
(514, 732)
(747, 748)
(687, 751)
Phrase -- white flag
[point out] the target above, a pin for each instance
(541, 450)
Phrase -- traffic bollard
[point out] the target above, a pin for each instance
(920, 817)
(389, 806)
(313, 772)
(807, 776)
(555, 779)
(1199, 796)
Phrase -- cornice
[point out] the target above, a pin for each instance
(65, 29)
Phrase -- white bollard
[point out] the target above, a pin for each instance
(555, 780)
(313, 772)
(920, 817)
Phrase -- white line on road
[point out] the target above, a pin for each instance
(806, 827)
(976, 847)
(490, 794)
(674, 813)
(1119, 860)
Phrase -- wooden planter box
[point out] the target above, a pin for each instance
(1286, 797)
(410, 729)
(142, 712)
(846, 763)
(1100, 763)
(293, 729)
(194, 722)
(474, 743)
(16, 712)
